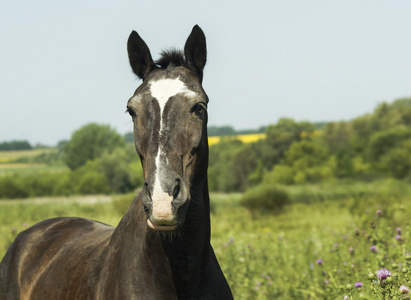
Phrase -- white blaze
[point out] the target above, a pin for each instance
(162, 90)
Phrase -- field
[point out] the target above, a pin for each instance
(245, 138)
(21, 162)
(323, 246)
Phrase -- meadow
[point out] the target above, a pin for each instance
(331, 243)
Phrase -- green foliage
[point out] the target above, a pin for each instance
(305, 161)
(15, 145)
(114, 167)
(220, 175)
(282, 135)
(398, 160)
(337, 135)
(265, 198)
(381, 142)
(221, 131)
(90, 142)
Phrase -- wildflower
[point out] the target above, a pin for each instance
(357, 231)
(404, 289)
(319, 261)
(351, 250)
(373, 248)
(379, 212)
(335, 245)
(327, 282)
(372, 225)
(383, 274)
(397, 237)
(358, 284)
(398, 230)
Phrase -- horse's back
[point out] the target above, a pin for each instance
(47, 259)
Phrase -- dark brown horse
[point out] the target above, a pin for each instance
(161, 247)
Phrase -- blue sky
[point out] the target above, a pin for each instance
(64, 63)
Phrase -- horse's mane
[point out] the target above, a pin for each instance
(171, 58)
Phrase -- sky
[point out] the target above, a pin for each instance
(64, 64)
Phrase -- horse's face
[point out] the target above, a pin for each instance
(169, 112)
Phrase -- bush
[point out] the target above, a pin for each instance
(12, 187)
(89, 143)
(265, 198)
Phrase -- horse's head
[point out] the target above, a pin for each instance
(169, 111)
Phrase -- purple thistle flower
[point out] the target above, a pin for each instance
(404, 289)
(319, 261)
(358, 284)
(373, 248)
(379, 212)
(327, 282)
(351, 250)
(398, 230)
(382, 274)
(397, 237)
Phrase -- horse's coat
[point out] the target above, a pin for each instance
(161, 247)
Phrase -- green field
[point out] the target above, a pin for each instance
(310, 251)
(21, 162)
(9, 156)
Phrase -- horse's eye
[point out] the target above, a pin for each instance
(198, 109)
(131, 112)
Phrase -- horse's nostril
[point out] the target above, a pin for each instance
(176, 189)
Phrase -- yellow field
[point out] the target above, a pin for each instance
(245, 138)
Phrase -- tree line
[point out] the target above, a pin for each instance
(368, 147)
(371, 146)
(15, 145)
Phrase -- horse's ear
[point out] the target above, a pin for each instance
(195, 52)
(139, 56)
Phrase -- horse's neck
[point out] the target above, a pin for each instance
(189, 253)
(135, 246)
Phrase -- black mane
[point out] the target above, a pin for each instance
(171, 58)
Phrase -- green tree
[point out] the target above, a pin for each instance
(90, 142)
(279, 139)
(220, 171)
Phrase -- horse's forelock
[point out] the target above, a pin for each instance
(173, 57)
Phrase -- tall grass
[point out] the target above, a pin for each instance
(320, 248)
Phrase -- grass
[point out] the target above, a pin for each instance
(28, 168)
(320, 248)
(8, 156)
(10, 164)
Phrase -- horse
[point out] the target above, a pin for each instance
(161, 247)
